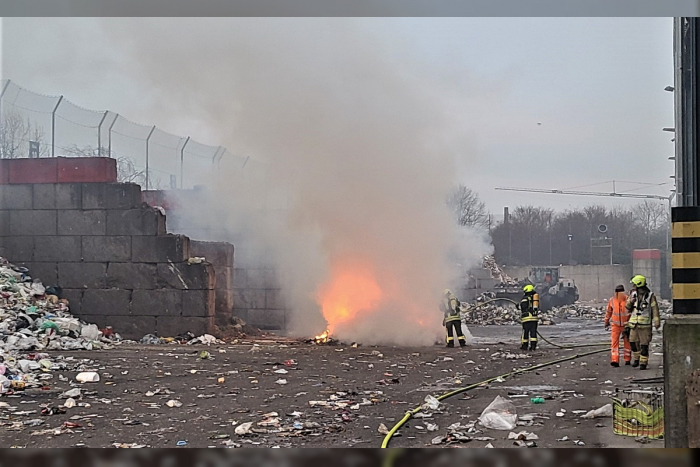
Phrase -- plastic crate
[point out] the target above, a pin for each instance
(639, 413)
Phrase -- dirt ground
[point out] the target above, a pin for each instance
(242, 383)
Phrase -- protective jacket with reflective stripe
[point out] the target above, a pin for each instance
(450, 305)
(643, 308)
(617, 313)
(529, 307)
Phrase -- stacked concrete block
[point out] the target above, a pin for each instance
(111, 255)
(220, 255)
(258, 299)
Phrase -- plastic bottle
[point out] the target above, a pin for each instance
(537, 400)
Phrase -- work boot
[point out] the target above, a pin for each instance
(523, 347)
(451, 344)
(615, 364)
(462, 344)
(642, 367)
(635, 364)
(627, 362)
(533, 347)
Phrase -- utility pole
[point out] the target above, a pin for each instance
(681, 355)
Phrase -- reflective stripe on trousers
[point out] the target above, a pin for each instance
(616, 332)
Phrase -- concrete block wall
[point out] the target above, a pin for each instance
(594, 282)
(110, 253)
(258, 299)
(255, 291)
(220, 255)
(648, 264)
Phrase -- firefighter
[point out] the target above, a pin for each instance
(452, 319)
(644, 311)
(529, 308)
(617, 316)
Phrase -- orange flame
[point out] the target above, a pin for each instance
(323, 337)
(351, 290)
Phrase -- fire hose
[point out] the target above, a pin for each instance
(571, 346)
(389, 460)
(411, 413)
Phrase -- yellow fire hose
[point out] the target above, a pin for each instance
(389, 459)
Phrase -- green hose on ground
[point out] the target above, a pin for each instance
(414, 411)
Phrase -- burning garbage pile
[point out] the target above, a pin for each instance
(322, 339)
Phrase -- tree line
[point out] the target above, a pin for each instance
(594, 234)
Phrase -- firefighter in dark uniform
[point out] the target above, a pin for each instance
(529, 308)
(452, 319)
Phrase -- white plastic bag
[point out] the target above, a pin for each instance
(87, 377)
(604, 411)
(90, 332)
(499, 415)
(243, 428)
(431, 403)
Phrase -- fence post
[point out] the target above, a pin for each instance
(147, 141)
(213, 159)
(99, 134)
(53, 127)
(109, 136)
(2, 118)
(182, 161)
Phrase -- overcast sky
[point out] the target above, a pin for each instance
(543, 103)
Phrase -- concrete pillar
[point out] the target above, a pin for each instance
(682, 331)
(648, 264)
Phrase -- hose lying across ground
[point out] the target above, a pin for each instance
(568, 346)
(411, 413)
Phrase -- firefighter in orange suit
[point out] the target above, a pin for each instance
(617, 317)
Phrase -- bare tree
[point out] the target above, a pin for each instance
(651, 216)
(88, 151)
(468, 209)
(16, 135)
(127, 172)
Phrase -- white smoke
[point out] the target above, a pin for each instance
(359, 138)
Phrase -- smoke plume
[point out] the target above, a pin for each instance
(357, 138)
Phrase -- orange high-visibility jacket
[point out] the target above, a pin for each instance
(617, 313)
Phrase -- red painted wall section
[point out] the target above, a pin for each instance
(58, 170)
(646, 254)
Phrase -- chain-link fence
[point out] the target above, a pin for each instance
(34, 125)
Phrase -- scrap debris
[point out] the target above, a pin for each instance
(489, 262)
(489, 314)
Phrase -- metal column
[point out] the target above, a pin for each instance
(681, 332)
(182, 161)
(148, 139)
(109, 136)
(99, 134)
(2, 118)
(53, 127)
